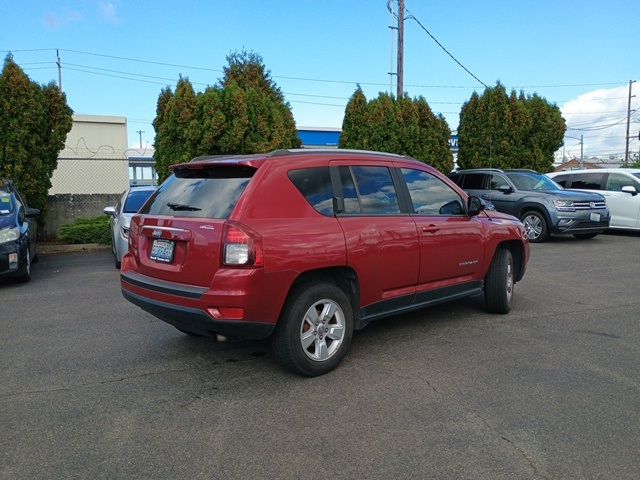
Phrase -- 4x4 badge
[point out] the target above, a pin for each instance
(208, 227)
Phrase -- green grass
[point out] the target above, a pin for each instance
(93, 230)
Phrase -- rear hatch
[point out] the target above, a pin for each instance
(178, 233)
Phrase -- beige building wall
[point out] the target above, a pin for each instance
(94, 158)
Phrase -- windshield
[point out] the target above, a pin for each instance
(6, 203)
(135, 200)
(529, 181)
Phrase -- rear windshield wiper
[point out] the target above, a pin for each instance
(180, 206)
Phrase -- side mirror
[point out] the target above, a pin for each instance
(474, 205)
(111, 211)
(630, 189)
(505, 189)
(32, 212)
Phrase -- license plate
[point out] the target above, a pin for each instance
(162, 250)
(594, 217)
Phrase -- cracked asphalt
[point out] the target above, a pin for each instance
(93, 387)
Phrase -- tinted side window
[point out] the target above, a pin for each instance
(430, 195)
(201, 193)
(349, 192)
(616, 181)
(315, 185)
(587, 181)
(474, 181)
(458, 179)
(498, 181)
(376, 190)
(562, 180)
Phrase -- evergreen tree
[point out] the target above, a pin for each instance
(34, 122)
(245, 113)
(354, 129)
(509, 131)
(404, 126)
(172, 142)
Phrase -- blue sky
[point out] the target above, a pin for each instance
(577, 54)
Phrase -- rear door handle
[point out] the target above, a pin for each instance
(430, 229)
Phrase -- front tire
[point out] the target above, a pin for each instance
(25, 273)
(315, 329)
(499, 282)
(536, 226)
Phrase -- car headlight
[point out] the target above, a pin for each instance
(9, 234)
(564, 205)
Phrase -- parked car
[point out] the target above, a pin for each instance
(18, 234)
(543, 206)
(308, 245)
(120, 217)
(620, 188)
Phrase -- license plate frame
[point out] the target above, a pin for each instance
(594, 217)
(162, 250)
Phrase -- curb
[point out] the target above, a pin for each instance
(48, 249)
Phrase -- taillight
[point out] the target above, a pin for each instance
(241, 246)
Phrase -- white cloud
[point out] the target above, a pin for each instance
(108, 12)
(54, 21)
(601, 117)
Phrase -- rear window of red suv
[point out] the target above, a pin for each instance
(200, 193)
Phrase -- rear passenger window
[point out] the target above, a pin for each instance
(430, 195)
(315, 185)
(588, 181)
(376, 190)
(474, 181)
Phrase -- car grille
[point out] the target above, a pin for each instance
(597, 205)
(4, 263)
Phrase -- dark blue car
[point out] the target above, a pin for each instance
(18, 234)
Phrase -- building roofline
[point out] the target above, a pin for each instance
(99, 119)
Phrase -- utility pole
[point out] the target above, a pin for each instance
(400, 70)
(140, 132)
(581, 151)
(392, 28)
(626, 138)
(59, 70)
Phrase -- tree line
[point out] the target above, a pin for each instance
(246, 112)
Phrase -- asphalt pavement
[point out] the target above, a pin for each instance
(93, 387)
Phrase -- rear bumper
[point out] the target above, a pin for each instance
(197, 321)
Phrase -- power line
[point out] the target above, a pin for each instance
(322, 80)
(445, 50)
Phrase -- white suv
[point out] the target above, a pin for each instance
(620, 187)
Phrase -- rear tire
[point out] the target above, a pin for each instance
(536, 226)
(315, 329)
(499, 282)
(585, 236)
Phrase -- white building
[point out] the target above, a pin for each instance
(94, 159)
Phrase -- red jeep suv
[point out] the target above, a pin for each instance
(307, 246)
